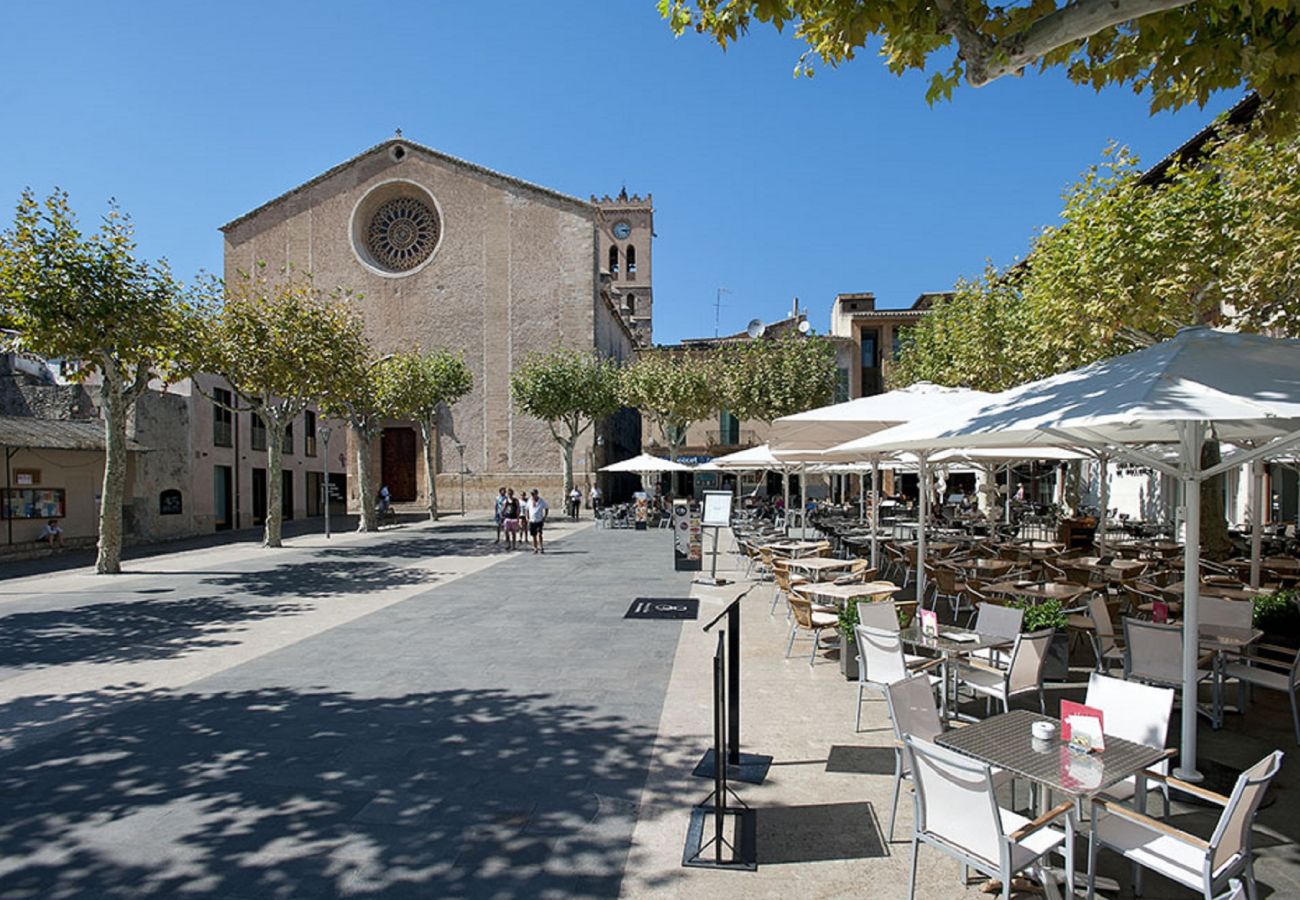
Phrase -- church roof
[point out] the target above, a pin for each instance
(424, 151)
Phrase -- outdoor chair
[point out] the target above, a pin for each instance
(1138, 713)
(805, 618)
(1201, 865)
(860, 571)
(1281, 673)
(1153, 654)
(899, 566)
(882, 614)
(948, 584)
(783, 582)
(1227, 613)
(957, 813)
(1024, 671)
(1097, 624)
(912, 712)
(881, 662)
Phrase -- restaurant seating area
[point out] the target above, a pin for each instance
(975, 662)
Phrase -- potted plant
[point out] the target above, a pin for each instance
(1049, 614)
(848, 641)
(1277, 614)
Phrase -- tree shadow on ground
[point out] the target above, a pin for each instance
(323, 577)
(127, 630)
(277, 793)
(419, 547)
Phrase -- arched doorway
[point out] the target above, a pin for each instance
(397, 465)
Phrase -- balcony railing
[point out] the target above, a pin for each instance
(743, 438)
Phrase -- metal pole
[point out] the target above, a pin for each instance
(924, 514)
(9, 487)
(875, 514)
(803, 502)
(733, 683)
(325, 439)
(1103, 469)
(1192, 436)
(1256, 518)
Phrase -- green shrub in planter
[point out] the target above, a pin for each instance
(1040, 614)
(1278, 615)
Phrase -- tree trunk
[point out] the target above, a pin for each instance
(274, 481)
(114, 411)
(365, 478)
(1214, 522)
(429, 431)
(567, 446)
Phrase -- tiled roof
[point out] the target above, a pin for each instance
(55, 434)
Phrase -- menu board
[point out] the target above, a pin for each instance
(34, 503)
(717, 509)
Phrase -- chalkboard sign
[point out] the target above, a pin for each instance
(717, 509)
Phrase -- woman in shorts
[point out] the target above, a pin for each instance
(511, 510)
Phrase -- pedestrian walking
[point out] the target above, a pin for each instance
(501, 499)
(537, 510)
(595, 500)
(575, 502)
(510, 512)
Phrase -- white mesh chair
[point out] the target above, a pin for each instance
(1024, 672)
(1274, 674)
(1229, 613)
(1204, 866)
(958, 814)
(881, 662)
(1153, 654)
(912, 711)
(1135, 712)
(1101, 631)
(878, 614)
(997, 620)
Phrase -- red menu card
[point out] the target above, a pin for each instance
(1082, 726)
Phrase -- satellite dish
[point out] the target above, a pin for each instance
(805, 326)
(755, 328)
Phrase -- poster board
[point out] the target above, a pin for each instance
(717, 509)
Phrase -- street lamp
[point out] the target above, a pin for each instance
(324, 432)
(460, 448)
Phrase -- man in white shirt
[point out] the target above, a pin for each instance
(595, 499)
(537, 510)
(575, 502)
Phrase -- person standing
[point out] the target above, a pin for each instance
(501, 500)
(510, 518)
(575, 502)
(537, 510)
(595, 500)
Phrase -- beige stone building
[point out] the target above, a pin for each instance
(445, 253)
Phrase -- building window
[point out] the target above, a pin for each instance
(288, 438)
(613, 261)
(728, 429)
(869, 360)
(631, 262)
(630, 300)
(897, 348)
(222, 417)
(309, 433)
(257, 431)
(841, 384)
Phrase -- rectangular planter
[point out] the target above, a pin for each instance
(849, 658)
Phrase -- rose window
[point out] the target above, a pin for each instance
(402, 234)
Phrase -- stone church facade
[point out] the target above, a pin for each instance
(445, 253)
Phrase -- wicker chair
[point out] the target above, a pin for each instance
(803, 617)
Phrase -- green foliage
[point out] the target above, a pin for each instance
(413, 385)
(1128, 265)
(1040, 614)
(1278, 614)
(1178, 56)
(672, 390)
(767, 379)
(568, 389)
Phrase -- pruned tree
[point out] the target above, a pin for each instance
(354, 398)
(672, 390)
(1177, 51)
(769, 378)
(280, 345)
(417, 385)
(88, 299)
(569, 390)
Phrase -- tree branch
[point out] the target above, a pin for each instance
(986, 61)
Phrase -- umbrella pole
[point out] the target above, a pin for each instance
(785, 478)
(862, 496)
(1192, 437)
(803, 502)
(1007, 500)
(875, 514)
(923, 519)
(1103, 470)
(1256, 518)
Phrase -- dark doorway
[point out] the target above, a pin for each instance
(286, 495)
(221, 497)
(315, 493)
(397, 469)
(259, 496)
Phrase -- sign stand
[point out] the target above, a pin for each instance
(751, 768)
(717, 515)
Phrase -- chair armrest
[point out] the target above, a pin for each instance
(924, 665)
(1138, 818)
(1045, 819)
(976, 664)
(1273, 648)
(1194, 790)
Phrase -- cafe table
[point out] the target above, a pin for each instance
(984, 568)
(951, 643)
(1285, 567)
(1210, 589)
(817, 567)
(841, 594)
(794, 549)
(1115, 570)
(1006, 742)
(1038, 590)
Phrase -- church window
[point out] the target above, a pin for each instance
(613, 261)
(402, 233)
(631, 261)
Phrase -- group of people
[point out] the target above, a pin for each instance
(522, 514)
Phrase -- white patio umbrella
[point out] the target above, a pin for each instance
(646, 465)
(817, 430)
(1240, 389)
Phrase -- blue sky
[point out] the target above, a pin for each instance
(772, 187)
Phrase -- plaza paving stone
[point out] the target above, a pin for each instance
(239, 736)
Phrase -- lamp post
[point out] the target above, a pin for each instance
(460, 448)
(324, 432)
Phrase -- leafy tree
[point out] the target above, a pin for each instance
(672, 390)
(568, 390)
(415, 385)
(87, 298)
(281, 345)
(767, 379)
(354, 398)
(1178, 51)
